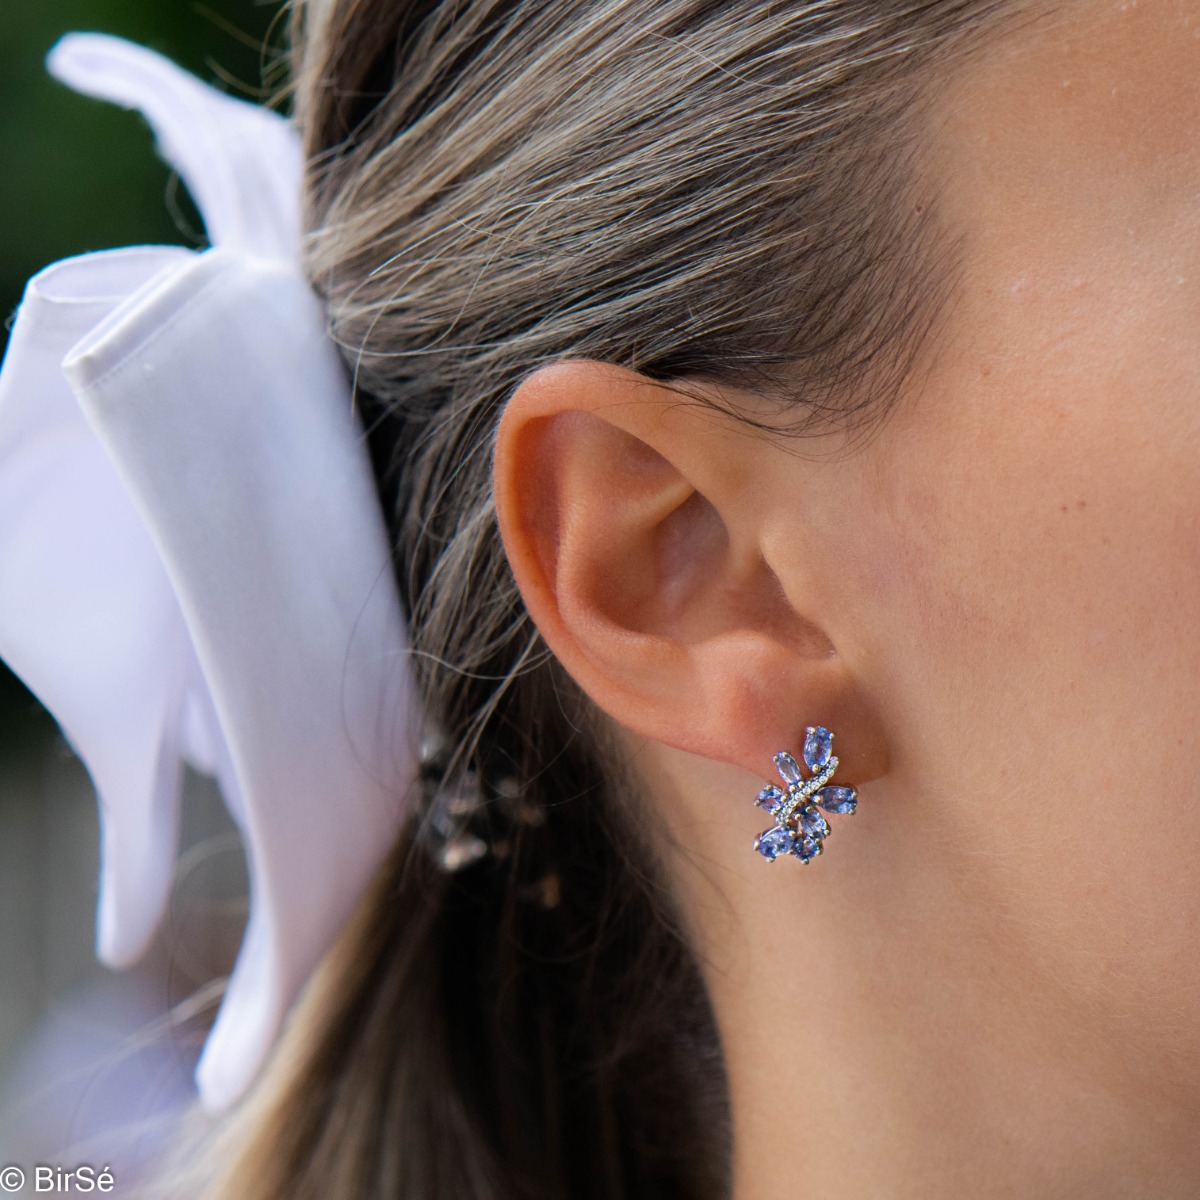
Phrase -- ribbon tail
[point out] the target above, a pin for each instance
(88, 618)
(242, 163)
(231, 423)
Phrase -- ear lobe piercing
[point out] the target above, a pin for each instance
(799, 829)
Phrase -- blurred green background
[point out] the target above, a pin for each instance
(80, 175)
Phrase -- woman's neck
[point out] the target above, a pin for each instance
(888, 1033)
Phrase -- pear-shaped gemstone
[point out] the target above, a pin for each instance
(773, 842)
(789, 768)
(769, 798)
(813, 824)
(818, 746)
(806, 849)
(840, 800)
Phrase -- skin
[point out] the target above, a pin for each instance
(989, 984)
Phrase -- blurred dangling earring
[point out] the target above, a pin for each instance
(799, 829)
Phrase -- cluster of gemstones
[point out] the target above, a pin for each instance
(799, 829)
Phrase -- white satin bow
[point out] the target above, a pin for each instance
(193, 562)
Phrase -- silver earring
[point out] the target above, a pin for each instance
(799, 829)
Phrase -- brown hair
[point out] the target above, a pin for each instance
(725, 190)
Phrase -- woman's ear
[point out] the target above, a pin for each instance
(633, 519)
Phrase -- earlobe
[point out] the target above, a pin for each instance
(632, 524)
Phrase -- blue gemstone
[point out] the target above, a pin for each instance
(840, 800)
(813, 824)
(789, 768)
(818, 746)
(806, 849)
(769, 798)
(773, 842)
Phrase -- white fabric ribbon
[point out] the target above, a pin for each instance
(193, 562)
